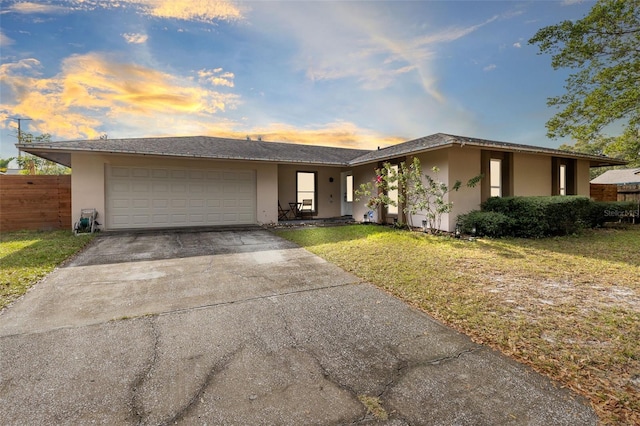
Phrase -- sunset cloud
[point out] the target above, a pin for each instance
(340, 134)
(187, 10)
(135, 38)
(4, 40)
(191, 10)
(26, 7)
(216, 77)
(369, 48)
(92, 90)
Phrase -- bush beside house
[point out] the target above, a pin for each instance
(537, 217)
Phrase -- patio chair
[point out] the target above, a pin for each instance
(306, 208)
(283, 214)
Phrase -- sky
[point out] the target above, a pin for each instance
(356, 74)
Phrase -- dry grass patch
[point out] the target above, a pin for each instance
(569, 307)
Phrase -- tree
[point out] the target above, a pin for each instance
(604, 49)
(4, 163)
(417, 193)
(32, 165)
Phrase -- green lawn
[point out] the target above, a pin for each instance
(27, 256)
(569, 307)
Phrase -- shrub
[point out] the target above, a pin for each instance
(490, 224)
(600, 212)
(537, 217)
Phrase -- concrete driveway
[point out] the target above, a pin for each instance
(242, 327)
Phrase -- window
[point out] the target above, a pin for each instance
(495, 174)
(393, 195)
(306, 188)
(563, 176)
(349, 190)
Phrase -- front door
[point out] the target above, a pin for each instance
(346, 189)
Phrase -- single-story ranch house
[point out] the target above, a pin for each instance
(206, 181)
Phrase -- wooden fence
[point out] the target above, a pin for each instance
(35, 202)
(604, 192)
(629, 192)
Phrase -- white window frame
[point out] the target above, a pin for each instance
(495, 177)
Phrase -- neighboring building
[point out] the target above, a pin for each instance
(618, 177)
(207, 181)
(626, 181)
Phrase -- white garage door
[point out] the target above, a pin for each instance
(148, 197)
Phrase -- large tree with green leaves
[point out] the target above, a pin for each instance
(604, 50)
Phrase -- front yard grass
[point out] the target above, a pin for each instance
(27, 256)
(568, 306)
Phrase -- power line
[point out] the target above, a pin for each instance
(19, 120)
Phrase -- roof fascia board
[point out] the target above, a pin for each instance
(38, 150)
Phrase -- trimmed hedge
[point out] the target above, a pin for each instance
(490, 224)
(537, 217)
(601, 212)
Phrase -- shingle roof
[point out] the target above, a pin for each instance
(440, 140)
(238, 149)
(202, 147)
(619, 177)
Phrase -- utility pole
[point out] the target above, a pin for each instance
(19, 120)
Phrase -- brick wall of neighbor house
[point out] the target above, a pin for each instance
(603, 192)
(35, 202)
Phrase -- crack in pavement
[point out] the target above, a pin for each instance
(137, 409)
(316, 359)
(216, 369)
(457, 355)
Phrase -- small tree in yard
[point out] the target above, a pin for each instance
(4, 163)
(417, 192)
(32, 165)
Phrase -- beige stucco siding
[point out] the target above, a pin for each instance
(362, 175)
(328, 196)
(583, 187)
(429, 160)
(87, 185)
(531, 174)
(464, 165)
(88, 180)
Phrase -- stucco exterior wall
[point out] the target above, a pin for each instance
(328, 195)
(87, 185)
(464, 164)
(583, 176)
(429, 160)
(362, 175)
(88, 180)
(531, 175)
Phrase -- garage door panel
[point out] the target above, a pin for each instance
(139, 197)
(160, 173)
(139, 173)
(180, 203)
(142, 187)
(119, 172)
(160, 188)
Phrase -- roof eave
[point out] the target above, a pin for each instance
(63, 155)
(386, 157)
